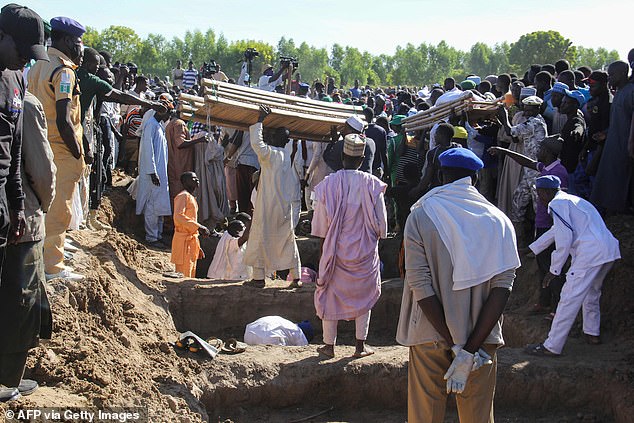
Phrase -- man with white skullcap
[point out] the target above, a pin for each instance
(350, 217)
(332, 155)
(272, 245)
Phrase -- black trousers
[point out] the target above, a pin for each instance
(12, 368)
(244, 174)
(25, 314)
(106, 130)
(97, 177)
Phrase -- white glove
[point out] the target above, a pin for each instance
(481, 358)
(458, 372)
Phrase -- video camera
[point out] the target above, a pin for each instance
(251, 53)
(287, 61)
(210, 68)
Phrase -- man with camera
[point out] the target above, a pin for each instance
(269, 79)
(218, 74)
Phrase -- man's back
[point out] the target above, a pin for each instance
(591, 239)
(429, 271)
(358, 197)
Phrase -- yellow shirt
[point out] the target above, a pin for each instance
(63, 85)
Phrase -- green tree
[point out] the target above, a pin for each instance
(120, 41)
(539, 47)
(480, 60)
(595, 59)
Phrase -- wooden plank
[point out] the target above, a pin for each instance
(219, 86)
(284, 106)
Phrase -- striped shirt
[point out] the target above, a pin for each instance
(133, 119)
(190, 78)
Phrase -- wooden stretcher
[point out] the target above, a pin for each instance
(465, 103)
(235, 106)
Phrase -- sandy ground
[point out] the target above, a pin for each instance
(113, 333)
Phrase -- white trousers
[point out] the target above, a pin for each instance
(582, 289)
(153, 226)
(362, 325)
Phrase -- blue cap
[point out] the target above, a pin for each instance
(68, 26)
(548, 181)
(462, 158)
(577, 95)
(304, 85)
(560, 87)
(307, 328)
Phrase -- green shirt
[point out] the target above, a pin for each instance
(90, 86)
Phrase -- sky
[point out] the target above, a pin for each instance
(370, 25)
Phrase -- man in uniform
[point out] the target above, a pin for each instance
(21, 39)
(55, 84)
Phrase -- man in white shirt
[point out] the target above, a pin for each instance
(577, 231)
(269, 79)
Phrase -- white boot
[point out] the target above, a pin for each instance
(94, 224)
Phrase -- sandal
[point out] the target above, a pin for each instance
(217, 343)
(539, 350)
(233, 346)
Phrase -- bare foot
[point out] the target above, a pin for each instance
(362, 350)
(295, 284)
(327, 350)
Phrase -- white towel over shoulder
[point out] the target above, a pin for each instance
(479, 237)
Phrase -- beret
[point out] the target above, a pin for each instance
(67, 25)
(548, 181)
(461, 158)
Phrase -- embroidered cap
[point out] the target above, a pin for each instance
(354, 145)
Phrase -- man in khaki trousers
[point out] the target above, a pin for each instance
(55, 84)
(454, 294)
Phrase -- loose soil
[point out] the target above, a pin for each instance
(113, 334)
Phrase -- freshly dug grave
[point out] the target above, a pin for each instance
(112, 334)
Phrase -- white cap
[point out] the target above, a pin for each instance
(355, 123)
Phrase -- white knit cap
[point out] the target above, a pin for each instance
(354, 145)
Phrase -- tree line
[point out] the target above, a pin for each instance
(409, 65)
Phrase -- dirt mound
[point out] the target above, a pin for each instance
(110, 345)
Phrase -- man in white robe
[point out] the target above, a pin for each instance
(272, 245)
(152, 197)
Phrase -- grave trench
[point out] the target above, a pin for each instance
(526, 385)
(531, 387)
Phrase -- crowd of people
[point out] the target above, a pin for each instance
(536, 177)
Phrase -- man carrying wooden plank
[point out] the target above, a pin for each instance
(272, 245)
